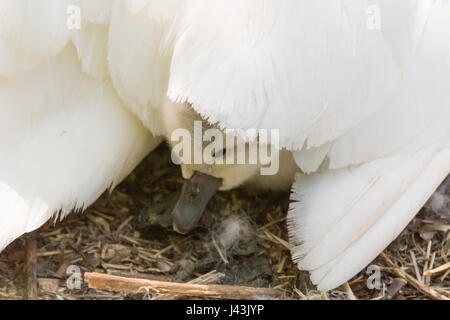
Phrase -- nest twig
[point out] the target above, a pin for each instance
(212, 291)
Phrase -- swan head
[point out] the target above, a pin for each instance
(211, 159)
(200, 147)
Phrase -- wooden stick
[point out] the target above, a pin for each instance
(212, 291)
(30, 266)
(412, 281)
(209, 278)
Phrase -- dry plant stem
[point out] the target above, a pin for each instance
(209, 278)
(212, 291)
(438, 269)
(349, 292)
(224, 259)
(412, 281)
(30, 267)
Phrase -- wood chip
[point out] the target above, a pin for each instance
(49, 285)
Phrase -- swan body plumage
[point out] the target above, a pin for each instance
(65, 135)
(362, 110)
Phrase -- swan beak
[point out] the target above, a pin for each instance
(195, 196)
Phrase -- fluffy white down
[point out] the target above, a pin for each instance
(365, 112)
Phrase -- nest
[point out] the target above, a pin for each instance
(241, 241)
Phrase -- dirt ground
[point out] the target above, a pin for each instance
(242, 237)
